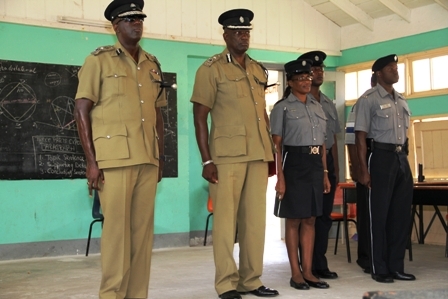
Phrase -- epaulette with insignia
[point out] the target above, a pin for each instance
(103, 49)
(212, 60)
(368, 92)
(261, 65)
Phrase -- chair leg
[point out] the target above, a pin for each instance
(347, 239)
(337, 238)
(90, 234)
(206, 228)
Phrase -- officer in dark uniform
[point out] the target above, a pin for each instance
(298, 124)
(362, 195)
(323, 223)
(383, 115)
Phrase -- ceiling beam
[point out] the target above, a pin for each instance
(398, 8)
(443, 3)
(355, 12)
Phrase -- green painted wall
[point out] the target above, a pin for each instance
(48, 210)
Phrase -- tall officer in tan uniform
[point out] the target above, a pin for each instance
(323, 223)
(121, 130)
(230, 86)
(383, 116)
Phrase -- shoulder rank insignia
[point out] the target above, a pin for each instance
(212, 60)
(103, 49)
(368, 92)
(261, 65)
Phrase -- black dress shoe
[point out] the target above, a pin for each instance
(327, 274)
(366, 270)
(384, 278)
(402, 276)
(299, 285)
(317, 284)
(230, 295)
(263, 292)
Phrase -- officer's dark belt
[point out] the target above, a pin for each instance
(309, 149)
(398, 148)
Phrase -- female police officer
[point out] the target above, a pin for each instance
(303, 178)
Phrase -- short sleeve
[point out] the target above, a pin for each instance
(350, 127)
(89, 77)
(362, 115)
(205, 88)
(276, 120)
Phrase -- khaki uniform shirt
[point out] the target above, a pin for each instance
(333, 126)
(239, 132)
(125, 97)
(305, 123)
(384, 117)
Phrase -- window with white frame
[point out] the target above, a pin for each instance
(430, 73)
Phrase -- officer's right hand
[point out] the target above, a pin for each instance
(364, 178)
(210, 173)
(94, 176)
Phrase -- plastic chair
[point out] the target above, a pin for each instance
(97, 217)
(348, 197)
(210, 209)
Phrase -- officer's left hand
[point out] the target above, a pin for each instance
(327, 185)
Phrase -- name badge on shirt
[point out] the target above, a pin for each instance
(385, 106)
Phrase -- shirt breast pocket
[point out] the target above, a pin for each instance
(384, 120)
(235, 85)
(115, 83)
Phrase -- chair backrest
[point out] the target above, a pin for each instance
(96, 208)
(210, 205)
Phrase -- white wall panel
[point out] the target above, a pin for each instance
(157, 19)
(283, 25)
(298, 24)
(189, 18)
(204, 19)
(259, 33)
(272, 23)
(285, 16)
(173, 17)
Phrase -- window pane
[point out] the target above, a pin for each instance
(439, 67)
(400, 85)
(421, 76)
(364, 81)
(351, 90)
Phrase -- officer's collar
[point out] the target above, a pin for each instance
(383, 92)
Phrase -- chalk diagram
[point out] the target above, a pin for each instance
(61, 114)
(17, 101)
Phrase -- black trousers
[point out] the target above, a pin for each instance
(390, 201)
(323, 223)
(363, 225)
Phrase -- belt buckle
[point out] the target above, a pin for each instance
(398, 149)
(314, 150)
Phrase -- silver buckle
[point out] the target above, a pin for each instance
(398, 148)
(314, 150)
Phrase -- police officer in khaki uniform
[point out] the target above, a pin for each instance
(121, 130)
(323, 223)
(383, 115)
(230, 87)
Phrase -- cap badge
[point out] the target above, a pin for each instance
(395, 58)
(316, 58)
(241, 19)
(304, 63)
(132, 5)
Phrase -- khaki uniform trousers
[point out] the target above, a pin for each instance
(239, 198)
(127, 200)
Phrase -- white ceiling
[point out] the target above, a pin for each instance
(348, 12)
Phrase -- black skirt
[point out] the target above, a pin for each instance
(304, 177)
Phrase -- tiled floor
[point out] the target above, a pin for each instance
(189, 273)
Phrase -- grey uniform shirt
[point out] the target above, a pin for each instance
(350, 126)
(384, 117)
(333, 126)
(305, 123)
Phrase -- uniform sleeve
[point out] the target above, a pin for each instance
(89, 77)
(205, 87)
(362, 115)
(162, 101)
(276, 120)
(337, 128)
(350, 127)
